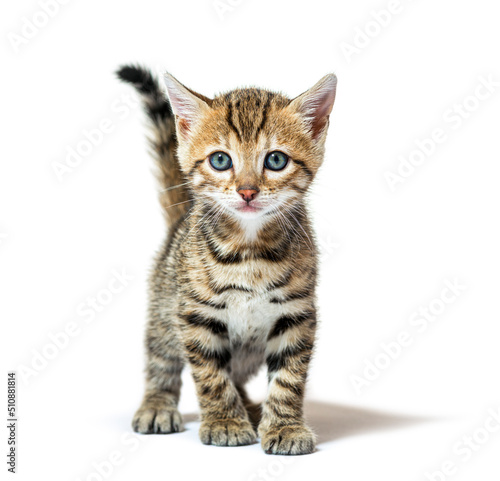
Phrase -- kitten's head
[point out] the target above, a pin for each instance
(251, 152)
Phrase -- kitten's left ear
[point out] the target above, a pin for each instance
(187, 105)
(316, 103)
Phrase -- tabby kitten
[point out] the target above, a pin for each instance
(233, 285)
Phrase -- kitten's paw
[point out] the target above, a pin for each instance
(149, 420)
(295, 439)
(227, 432)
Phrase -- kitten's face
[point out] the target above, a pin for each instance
(251, 152)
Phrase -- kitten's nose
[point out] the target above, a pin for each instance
(248, 193)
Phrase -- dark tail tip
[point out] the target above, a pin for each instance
(146, 84)
(141, 78)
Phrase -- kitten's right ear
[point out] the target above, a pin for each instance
(187, 105)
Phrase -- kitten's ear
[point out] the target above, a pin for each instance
(316, 103)
(187, 105)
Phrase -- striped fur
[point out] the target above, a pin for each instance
(230, 291)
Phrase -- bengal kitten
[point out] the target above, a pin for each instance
(233, 286)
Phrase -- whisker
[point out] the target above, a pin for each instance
(178, 203)
(299, 208)
(199, 221)
(174, 187)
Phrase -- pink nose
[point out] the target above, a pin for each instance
(248, 194)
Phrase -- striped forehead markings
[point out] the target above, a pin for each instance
(230, 121)
(264, 115)
(242, 112)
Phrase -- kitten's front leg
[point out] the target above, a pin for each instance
(290, 344)
(224, 419)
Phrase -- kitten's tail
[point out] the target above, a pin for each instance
(174, 196)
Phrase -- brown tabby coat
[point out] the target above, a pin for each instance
(232, 289)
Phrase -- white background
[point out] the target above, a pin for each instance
(385, 253)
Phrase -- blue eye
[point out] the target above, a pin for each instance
(220, 161)
(276, 161)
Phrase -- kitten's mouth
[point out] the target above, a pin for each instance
(248, 208)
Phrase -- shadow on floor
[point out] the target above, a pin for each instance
(334, 421)
(331, 421)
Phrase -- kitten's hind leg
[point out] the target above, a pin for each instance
(158, 412)
(254, 410)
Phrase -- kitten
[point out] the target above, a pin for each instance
(233, 286)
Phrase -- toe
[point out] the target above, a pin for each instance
(289, 440)
(228, 432)
(152, 421)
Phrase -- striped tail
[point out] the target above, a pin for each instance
(174, 196)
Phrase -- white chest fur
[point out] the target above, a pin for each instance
(249, 316)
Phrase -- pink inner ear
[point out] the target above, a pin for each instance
(183, 127)
(186, 106)
(185, 112)
(319, 122)
(316, 104)
(321, 112)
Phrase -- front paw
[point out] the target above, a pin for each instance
(227, 432)
(150, 420)
(293, 439)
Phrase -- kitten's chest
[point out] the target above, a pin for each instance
(249, 316)
(246, 282)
